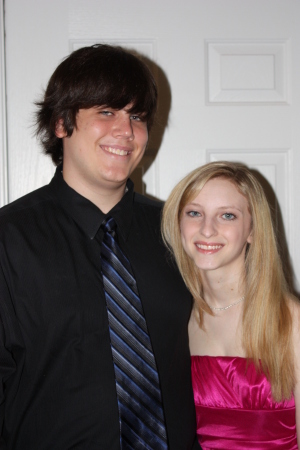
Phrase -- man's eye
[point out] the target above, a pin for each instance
(135, 117)
(229, 216)
(105, 112)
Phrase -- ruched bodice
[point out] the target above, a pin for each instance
(235, 409)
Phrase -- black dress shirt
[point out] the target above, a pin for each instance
(57, 389)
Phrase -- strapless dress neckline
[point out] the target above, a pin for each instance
(235, 409)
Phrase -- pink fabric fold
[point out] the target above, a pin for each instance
(235, 409)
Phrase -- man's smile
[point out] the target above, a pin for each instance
(115, 150)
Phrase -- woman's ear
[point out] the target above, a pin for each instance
(250, 237)
(60, 131)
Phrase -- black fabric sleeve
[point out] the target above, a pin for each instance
(196, 445)
(7, 363)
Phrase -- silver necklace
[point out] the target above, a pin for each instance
(226, 307)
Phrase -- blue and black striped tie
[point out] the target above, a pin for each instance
(142, 424)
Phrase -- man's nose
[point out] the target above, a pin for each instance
(123, 127)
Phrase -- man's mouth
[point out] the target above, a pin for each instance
(116, 151)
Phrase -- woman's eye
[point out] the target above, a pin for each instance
(229, 216)
(193, 213)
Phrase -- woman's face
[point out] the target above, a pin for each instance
(216, 227)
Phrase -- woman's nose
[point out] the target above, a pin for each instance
(208, 227)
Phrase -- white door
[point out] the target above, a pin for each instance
(229, 84)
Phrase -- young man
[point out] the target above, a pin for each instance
(60, 387)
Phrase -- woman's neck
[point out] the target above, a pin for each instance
(221, 289)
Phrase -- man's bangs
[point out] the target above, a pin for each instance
(141, 106)
(118, 96)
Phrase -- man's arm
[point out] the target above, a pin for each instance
(7, 367)
(7, 363)
(196, 445)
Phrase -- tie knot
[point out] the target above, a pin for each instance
(109, 225)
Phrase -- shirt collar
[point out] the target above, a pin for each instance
(86, 214)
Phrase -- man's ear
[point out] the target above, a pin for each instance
(60, 131)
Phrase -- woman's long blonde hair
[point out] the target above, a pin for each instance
(267, 321)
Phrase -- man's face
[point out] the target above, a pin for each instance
(104, 149)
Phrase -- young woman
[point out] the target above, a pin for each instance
(244, 328)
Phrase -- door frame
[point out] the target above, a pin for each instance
(3, 111)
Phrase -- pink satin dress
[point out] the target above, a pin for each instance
(234, 407)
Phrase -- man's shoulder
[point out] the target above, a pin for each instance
(34, 201)
(148, 202)
(148, 209)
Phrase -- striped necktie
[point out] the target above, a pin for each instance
(141, 416)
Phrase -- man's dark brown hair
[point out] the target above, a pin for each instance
(100, 75)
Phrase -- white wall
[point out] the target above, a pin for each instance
(3, 146)
(228, 73)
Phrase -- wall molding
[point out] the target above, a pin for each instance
(3, 125)
(246, 72)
